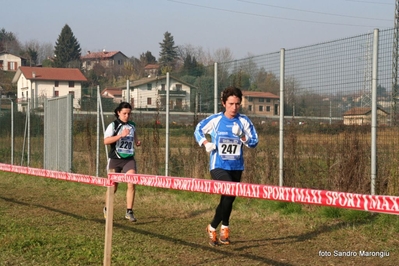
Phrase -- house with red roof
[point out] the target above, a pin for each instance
(260, 103)
(114, 93)
(107, 59)
(362, 116)
(151, 70)
(34, 84)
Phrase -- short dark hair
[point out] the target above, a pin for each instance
(231, 91)
(121, 106)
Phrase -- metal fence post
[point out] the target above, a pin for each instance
(281, 127)
(374, 112)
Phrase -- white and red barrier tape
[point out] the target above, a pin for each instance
(87, 179)
(372, 203)
(362, 202)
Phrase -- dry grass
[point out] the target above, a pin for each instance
(315, 156)
(49, 222)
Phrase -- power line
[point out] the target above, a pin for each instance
(369, 2)
(309, 11)
(273, 17)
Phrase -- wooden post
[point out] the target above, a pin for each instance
(108, 225)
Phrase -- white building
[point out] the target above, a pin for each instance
(150, 93)
(37, 83)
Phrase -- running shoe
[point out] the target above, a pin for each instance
(224, 236)
(130, 216)
(213, 239)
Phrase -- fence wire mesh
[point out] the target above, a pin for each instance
(327, 115)
(58, 125)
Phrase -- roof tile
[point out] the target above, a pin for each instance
(48, 73)
(260, 94)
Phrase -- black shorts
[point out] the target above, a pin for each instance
(122, 165)
(226, 175)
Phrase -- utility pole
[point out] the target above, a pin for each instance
(395, 65)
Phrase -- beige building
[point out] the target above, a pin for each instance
(37, 83)
(107, 59)
(10, 62)
(260, 103)
(362, 116)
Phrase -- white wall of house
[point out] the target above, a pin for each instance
(365, 119)
(143, 97)
(40, 89)
(9, 62)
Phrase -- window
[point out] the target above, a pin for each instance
(149, 86)
(260, 108)
(71, 84)
(56, 93)
(261, 100)
(162, 87)
(250, 99)
(12, 65)
(72, 92)
(268, 100)
(267, 108)
(178, 87)
(119, 62)
(179, 103)
(56, 83)
(148, 101)
(249, 107)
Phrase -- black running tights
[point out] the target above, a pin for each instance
(223, 210)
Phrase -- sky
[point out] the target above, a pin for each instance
(246, 27)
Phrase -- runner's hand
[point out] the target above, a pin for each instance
(236, 130)
(210, 146)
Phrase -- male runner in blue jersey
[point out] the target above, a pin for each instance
(229, 131)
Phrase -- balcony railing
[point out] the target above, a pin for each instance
(173, 93)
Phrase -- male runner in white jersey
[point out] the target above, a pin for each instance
(229, 131)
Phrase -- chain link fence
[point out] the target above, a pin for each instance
(327, 120)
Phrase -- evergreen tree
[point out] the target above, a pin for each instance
(168, 53)
(148, 58)
(67, 49)
(32, 55)
(9, 42)
(192, 67)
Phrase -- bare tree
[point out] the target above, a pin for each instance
(194, 51)
(44, 50)
(223, 55)
(250, 67)
(291, 95)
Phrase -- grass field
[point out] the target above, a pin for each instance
(51, 222)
